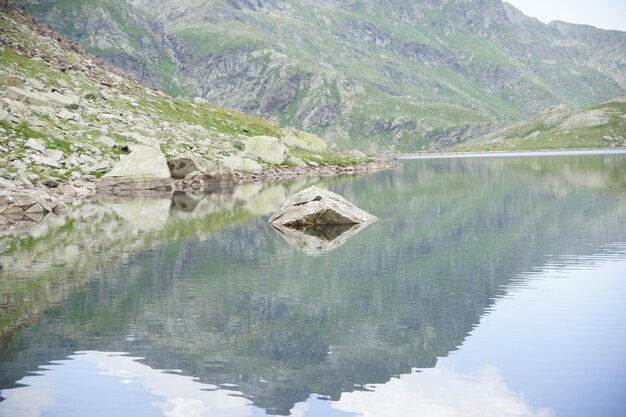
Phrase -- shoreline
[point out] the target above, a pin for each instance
(23, 206)
(511, 153)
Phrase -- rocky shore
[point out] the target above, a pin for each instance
(25, 206)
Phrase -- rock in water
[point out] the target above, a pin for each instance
(314, 207)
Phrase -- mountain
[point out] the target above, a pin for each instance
(379, 74)
(560, 127)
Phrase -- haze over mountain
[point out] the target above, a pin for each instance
(379, 74)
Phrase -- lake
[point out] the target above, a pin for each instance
(489, 287)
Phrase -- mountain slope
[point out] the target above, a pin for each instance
(560, 127)
(387, 74)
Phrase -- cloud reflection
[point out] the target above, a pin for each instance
(66, 387)
(440, 392)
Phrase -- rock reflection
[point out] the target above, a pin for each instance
(319, 239)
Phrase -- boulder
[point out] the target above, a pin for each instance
(181, 167)
(267, 148)
(297, 162)
(220, 178)
(59, 99)
(144, 168)
(44, 160)
(299, 139)
(25, 96)
(314, 207)
(54, 154)
(237, 163)
(106, 141)
(35, 144)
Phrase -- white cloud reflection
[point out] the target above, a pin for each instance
(182, 396)
(440, 392)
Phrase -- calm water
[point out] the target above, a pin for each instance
(490, 287)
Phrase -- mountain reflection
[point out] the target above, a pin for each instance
(221, 296)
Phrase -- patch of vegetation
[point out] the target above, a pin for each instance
(327, 158)
(209, 116)
(207, 40)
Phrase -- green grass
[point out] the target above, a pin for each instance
(326, 158)
(34, 69)
(207, 40)
(209, 116)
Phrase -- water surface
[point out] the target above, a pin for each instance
(489, 287)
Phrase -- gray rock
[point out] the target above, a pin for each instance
(59, 99)
(314, 207)
(23, 178)
(220, 178)
(237, 163)
(69, 115)
(181, 167)
(6, 184)
(297, 161)
(25, 96)
(267, 148)
(35, 144)
(44, 160)
(36, 84)
(6, 174)
(144, 168)
(54, 154)
(106, 141)
(51, 183)
(295, 138)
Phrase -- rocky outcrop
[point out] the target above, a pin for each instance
(314, 207)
